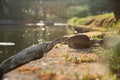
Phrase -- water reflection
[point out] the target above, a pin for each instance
(6, 44)
(24, 36)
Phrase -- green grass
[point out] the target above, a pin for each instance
(111, 57)
(79, 21)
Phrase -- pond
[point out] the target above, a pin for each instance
(25, 36)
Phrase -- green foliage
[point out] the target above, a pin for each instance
(78, 21)
(73, 20)
(111, 57)
(115, 59)
(45, 9)
(77, 11)
(96, 8)
(112, 76)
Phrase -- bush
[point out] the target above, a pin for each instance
(115, 59)
(78, 21)
(73, 20)
(77, 11)
(111, 57)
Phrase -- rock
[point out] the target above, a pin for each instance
(111, 21)
(111, 41)
(89, 22)
(97, 34)
(78, 41)
(96, 43)
(101, 22)
(81, 29)
(49, 23)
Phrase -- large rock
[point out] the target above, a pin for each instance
(88, 22)
(111, 41)
(81, 29)
(78, 41)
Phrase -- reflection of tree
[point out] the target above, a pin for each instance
(11, 34)
(35, 35)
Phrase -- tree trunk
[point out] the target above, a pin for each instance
(116, 8)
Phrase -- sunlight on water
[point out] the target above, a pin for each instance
(59, 24)
(7, 43)
(40, 24)
(43, 29)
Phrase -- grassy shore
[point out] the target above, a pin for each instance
(79, 21)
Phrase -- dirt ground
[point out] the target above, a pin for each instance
(63, 63)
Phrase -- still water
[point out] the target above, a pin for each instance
(24, 36)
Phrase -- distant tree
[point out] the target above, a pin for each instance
(96, 6)
(77, 11)
(35, 10)
(2, 8)
(116, 8)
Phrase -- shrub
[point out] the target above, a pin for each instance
(111, 57)
(73, 20)
(77, 11)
